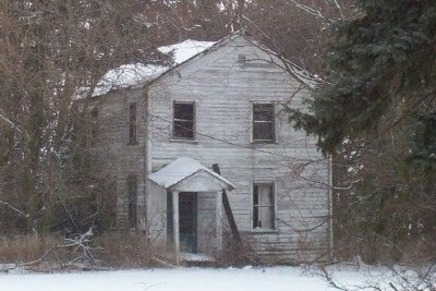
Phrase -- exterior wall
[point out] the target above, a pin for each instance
(116, 159)
(157, 215)
(224, 89)
(207, 222)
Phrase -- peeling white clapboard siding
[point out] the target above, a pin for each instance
(224, 90)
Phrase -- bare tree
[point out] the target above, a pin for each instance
(49, 50)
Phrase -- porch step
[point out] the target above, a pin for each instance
(197, 260)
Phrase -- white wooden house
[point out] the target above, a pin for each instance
(222, 106)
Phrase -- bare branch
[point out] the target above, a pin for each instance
(14, 208)
(339, 8)
(13, 125)
(307, 9)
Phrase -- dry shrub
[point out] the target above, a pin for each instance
(382, 250)
(125, 250)
(235, 254)
(52, 252)
(25, 248)
(415, 251)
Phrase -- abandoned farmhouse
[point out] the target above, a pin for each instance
(223, 106)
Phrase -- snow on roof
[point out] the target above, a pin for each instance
(181, 169)
(185, 50)
(138, 74)
(127, 76)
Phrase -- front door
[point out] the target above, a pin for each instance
(188, 221)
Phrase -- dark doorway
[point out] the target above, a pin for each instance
(188, 221)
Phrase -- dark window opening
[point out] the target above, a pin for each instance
(184, 120)
(263, 206)
(263, 123)
(94, 125)
(132, 197)
(132, 124)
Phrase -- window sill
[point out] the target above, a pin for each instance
(264, 142)
(264, 230)
(181, 140)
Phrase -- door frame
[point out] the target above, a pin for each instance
(192, 213)
(170, 218)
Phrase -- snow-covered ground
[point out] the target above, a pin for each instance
(189, 279)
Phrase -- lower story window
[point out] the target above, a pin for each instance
(263, 206)
(132, 198)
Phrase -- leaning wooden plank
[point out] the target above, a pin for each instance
(225, 199)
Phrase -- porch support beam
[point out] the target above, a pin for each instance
(219, 225)
(176, 231)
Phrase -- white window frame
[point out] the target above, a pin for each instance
(273, 207)
(194, 121)
(274, 122)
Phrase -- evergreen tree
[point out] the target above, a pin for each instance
(376, 114)
(381, 60)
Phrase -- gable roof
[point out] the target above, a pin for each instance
(302, 75)
(182, 169)
(138, 75)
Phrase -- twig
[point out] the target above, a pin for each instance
(307, 9)
(164, 263)
(13, 125)
(393, 286)
(14, 209)
(38, 260)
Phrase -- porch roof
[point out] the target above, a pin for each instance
(185, 170)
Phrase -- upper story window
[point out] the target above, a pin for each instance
(132, 123)
(183, 120)
(263, 206)
(263, 122)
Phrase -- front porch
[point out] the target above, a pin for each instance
(193, 208)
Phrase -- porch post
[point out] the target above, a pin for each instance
(176, 230)
(219, 222)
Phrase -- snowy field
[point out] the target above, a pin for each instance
(189, 279)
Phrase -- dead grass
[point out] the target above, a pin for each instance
(233, 254)
(383, 251)
(25, 248)
(125, 250)
(112, 249)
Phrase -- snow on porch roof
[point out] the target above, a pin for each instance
(180, 170)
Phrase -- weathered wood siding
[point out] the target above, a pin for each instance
(157, 215)
(207, 222)
(116, 159)
(224, 88)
